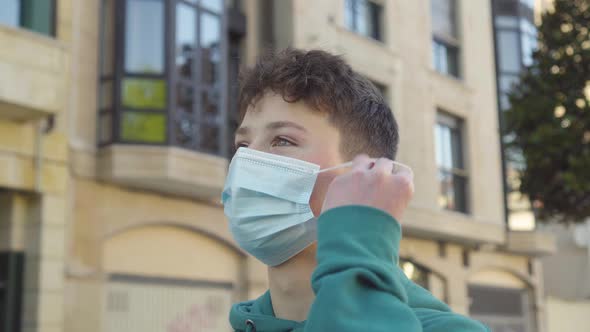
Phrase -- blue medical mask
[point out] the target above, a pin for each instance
(266, 199)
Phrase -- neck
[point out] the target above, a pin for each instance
(290, 286)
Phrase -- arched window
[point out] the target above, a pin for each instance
(425, 277)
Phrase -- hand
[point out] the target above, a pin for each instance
(372, 183)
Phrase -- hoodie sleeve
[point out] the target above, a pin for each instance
(357, 284)
(434, 315)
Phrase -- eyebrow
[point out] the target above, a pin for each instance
(273, 125)
(283, 124)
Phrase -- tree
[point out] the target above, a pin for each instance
(549, 117)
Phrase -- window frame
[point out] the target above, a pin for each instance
(379, 25)
(449, 42)
(169, 76)
(518, 10)
(457, 125)
(52, 33)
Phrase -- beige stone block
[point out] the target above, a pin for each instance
(168, 170)
(51, 311)
(54, 178)
(83, 163)
(54, 210)
(16, 137)
(83, 305)
(31, 49)
(54, 327)
(55, 146)
(29, 88)
(52, 275)
(16, 171)
(53, 242)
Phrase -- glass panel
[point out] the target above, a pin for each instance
(415, 273)
(506, 22)
(457, 148)
(37, 15)
(439, 56)
(374, 20)
(528, 38)
(210, 48)
(209, 136)
(446, 198)
(446, 58)
(185, 129)
(528, 3)
(186, 36)
(460, 193)
(108, 37)
(509, 57)
(213, 5)
(210, 102)
(445, 147)
(508, 82)
(144, 37)
(106, 95)
(143, 93)
(443, 17)
(105, 127)
(438, 136)
(143, 127)
(504, 101)
(349, 12)
(452, 61)
(362, 18)
(185, 96)
(10, 13)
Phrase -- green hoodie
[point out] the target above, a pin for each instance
(357, 284)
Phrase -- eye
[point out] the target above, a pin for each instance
(241, 145)
(282, 141)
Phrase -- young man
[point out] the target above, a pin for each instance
(329, 231)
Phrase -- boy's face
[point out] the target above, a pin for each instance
(293, 130)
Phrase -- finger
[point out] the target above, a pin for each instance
(383, 165)
(361, 162)
(402, 169)
(405, 178)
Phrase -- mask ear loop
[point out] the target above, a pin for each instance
(398, 168)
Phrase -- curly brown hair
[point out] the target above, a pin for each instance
(327, 84)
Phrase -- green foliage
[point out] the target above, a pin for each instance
(549, 118)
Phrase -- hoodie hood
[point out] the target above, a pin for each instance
(258, 315)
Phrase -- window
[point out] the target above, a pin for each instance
(515, 42)
(12, 265)
(445, 40)
(34, 15)
(502, 309)
(452, 175)
(364, 18)
(424, 277)
(162, 77)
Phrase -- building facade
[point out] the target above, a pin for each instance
(116, 121)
